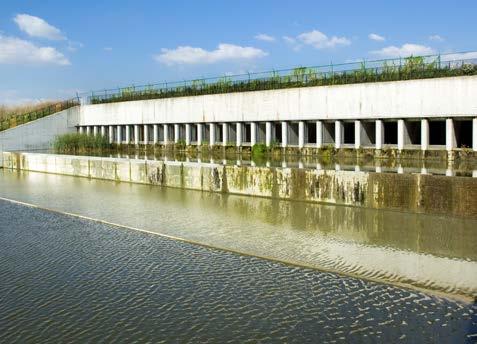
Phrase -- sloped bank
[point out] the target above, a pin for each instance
(420, 193)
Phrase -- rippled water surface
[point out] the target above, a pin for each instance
(69, 279)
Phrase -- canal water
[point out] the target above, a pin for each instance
(68, 278)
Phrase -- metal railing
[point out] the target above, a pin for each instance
(17, 119)
(418, 67)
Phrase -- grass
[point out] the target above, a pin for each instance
(80, 143)
(406, 69)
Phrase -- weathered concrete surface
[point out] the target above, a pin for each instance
(408, 192)
(39, 134)
(439, 97)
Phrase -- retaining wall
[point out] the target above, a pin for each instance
(408, 192)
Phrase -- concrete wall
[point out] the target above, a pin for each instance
(440, 97)
(40, 133)
(409, 192)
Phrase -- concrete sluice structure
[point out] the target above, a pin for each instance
(428, 114)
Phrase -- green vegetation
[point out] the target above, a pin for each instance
(373, 71)
(259, 149)
(12, 117)
(80, 143)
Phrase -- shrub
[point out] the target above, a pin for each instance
(259, 149)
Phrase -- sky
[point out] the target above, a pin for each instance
(52, 49)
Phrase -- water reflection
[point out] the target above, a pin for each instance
(434, 252)
(434, 167)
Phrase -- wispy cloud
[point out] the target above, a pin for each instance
(194, 55)
(436, 38)
(108, 49)
(265, 37)
(17, 51)
(407, 49)
(376, 37)
(319, 40)
(38, 27)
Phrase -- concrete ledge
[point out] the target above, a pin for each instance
(456, 196)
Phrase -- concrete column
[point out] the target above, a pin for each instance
(212, 133)
(81, 130)
(400, 134)
(239, 133)
(146, 134)
(424, 134)
(253, 133)
(284, 134)
(319, 134)
(95, 130)
(338, 134)
(268, 133)
(379, 134)
(128, 134)
(110, 133)
(225, 133)
(357, 134)
(199, 134)
(88, 130)
(155, 134)
(103, 130)
(474, 134)
(176, 133)
(119, 138)
(301, 134)
(187, 134)
(450, 134)
(166, 134)
(136, 134)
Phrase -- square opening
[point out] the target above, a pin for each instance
(437, 133)
(390, 133)
(310, 133)
(348, 135)
(463, 133)
(278, 132)
(247, 133)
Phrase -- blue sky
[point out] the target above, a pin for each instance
(52, 49)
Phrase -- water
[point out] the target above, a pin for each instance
(66, 279)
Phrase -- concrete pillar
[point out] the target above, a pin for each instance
(166, 134)
(95, 130)
(225, 133)
(110, 134)
(268, 133)
(474, 134)
(239, 133)
(400, 134)
(136, 134)
(424, 134)
(357, 134)
(199, 134)
(284, 134)
(146, 134)
(119, 136)
(253, 133)
(338, 134)
(450, 135)
(88, 130)
(155, 134)
(187, 134)
(301, 134)
(212, 133)
(319, 134)
(103, 130)
(176, 133)
(128, 134)
(81, 130)
(379, 134)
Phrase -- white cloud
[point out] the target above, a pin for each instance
(37, 27)
(319, 40)
(17, 51)
(265, 37)
(407, 49)
(192, 55)
(436, 38)
(73, 46)
(376, 37)
(108, 49)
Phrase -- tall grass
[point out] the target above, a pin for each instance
(10, 111)
(80, 143)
